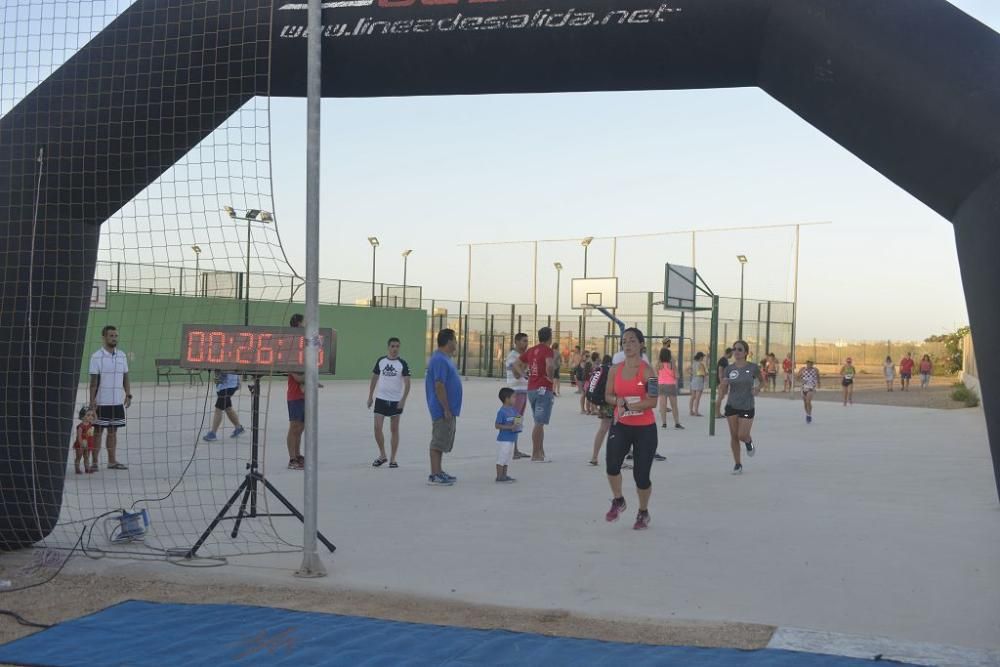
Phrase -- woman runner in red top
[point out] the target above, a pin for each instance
(632, 389)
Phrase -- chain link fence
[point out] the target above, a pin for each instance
(486, 330)
(263, 286)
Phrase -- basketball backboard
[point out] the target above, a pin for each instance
(680, 287)
(590, 292)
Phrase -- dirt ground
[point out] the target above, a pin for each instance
(871, 390)
(71, 596)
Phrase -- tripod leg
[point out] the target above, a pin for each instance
(298, 514)
(251, 484)
(218, 517)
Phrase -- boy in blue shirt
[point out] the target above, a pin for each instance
(508, 424)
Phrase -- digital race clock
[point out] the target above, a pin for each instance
(232, 347)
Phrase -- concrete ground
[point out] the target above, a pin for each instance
(873, 520)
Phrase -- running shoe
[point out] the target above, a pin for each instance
(450, 478)
(751, 450)
(809, 419)
(641, 520)
(678, 426)
(439, 480)
(209, 437)
(738, 469)
(505, 480)
(301, 459)
(237, 432)
(294, 464)
(617, 507)
(659, 457)
(664, 425)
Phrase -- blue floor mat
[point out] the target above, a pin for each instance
(141, 634)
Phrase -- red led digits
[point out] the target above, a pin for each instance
(195, 350)
(216, 347)
(245, 350)
(265, 352)
(263, 349)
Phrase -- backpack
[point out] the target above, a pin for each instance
(598, 383)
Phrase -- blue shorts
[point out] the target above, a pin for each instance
(541, 405)
(297, 410)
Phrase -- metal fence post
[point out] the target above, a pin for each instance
(767, 329)
(465, 346)
(649, 314)
(680, 355)
(713, 377)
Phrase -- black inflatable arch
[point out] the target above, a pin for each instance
(912, 88)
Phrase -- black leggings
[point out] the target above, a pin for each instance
(642, 440)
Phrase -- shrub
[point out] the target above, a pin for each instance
(963, 394)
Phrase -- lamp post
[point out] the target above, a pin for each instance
(586, 246)
(250, 216)
(558, 266)
(197, 269)
(374, 241)
(743, 266)
(406, 257)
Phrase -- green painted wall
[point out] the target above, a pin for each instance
(149, 328)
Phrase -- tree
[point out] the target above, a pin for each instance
(953, 344)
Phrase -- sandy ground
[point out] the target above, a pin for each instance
(860, 523)
(871, 390)
(72, 595)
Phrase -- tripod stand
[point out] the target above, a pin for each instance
(248, 487)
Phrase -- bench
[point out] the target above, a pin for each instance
(165, 368)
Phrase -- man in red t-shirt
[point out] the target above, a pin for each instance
(296, 411)
(540, 364)
(906, 371)
(788, 366)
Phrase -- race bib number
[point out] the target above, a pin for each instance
(628, 411)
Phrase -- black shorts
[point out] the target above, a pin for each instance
(742, 414)
(225, 399)
(847, 382)
(387, 408)
(111, 417)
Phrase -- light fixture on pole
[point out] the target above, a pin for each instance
(374, 241)
(743, 266)
(406, 257)
(197, 268)
(252, 215)
(558, 266)
(586, 246)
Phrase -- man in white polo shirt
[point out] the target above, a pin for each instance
(389, 388)
(110, 394)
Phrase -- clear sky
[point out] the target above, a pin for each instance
(431, 173)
